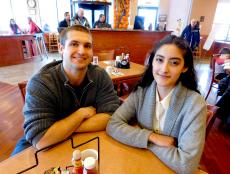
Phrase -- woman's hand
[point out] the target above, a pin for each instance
(162, 140)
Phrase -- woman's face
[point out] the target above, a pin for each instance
(168, 64)
(12, 21)
(102, 18)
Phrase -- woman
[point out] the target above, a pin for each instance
(14, 27)
(33, 27)
(170, 112)
(101, 23)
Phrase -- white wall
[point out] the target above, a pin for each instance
(178, 9)
(46, 11)
(164, 7)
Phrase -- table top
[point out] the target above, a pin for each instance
(114, 157)
(135, 70)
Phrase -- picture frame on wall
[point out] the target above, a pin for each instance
(162, 18)
(32, 11)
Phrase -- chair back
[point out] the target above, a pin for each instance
(197, 52)
(53, 42)
(22, 87)
(104, 54)
(213, 79)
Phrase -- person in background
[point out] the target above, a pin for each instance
(139, 23)
(101, 23)
(33, 27)
(14, 27)
(191, 33)
(222, 61)
(46, 28)
(170, 112)
(223, 103)
(67, 96)
(65, 23)
(80, 19)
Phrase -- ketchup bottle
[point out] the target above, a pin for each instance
(77, 163)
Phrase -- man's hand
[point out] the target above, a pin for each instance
(86, 112)
(162, 140)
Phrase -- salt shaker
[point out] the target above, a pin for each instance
(90, 166)
(95, 60)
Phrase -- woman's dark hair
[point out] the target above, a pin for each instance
(188, 78)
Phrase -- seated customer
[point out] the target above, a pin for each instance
(67, 96)
(223, 102)
(170, 112)
(223, 59)
(101, 23)
(80, 19)
(33, 28)
(14, 27)
(65, 23)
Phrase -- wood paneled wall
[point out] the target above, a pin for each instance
(135, 42)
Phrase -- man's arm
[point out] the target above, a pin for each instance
(62, 129)
(96, 123)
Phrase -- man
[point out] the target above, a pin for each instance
(80, 19)
(101, 22)
(65, 23)
(191, 33)
(67, 96)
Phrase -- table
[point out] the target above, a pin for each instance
(130, 76)
(114, 157)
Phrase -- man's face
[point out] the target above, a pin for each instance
(81, 13)
(193, 23)
(77, 52)
(225, 56)
(67, 17)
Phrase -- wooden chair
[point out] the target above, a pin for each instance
(214, 82)
(22, 87)
(127, 86)
(104, 54)
(197, 52)
(53, 42)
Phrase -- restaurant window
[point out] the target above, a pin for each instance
(6, 14)
(49, 17)
(149, 10)
(20, 13)
(221, 22)
(92, 10)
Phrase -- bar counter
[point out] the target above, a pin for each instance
(16, 49)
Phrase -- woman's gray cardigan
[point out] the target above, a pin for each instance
(185, 120)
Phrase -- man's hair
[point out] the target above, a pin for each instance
(66, 13)
(225, 50)
(63, 35)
